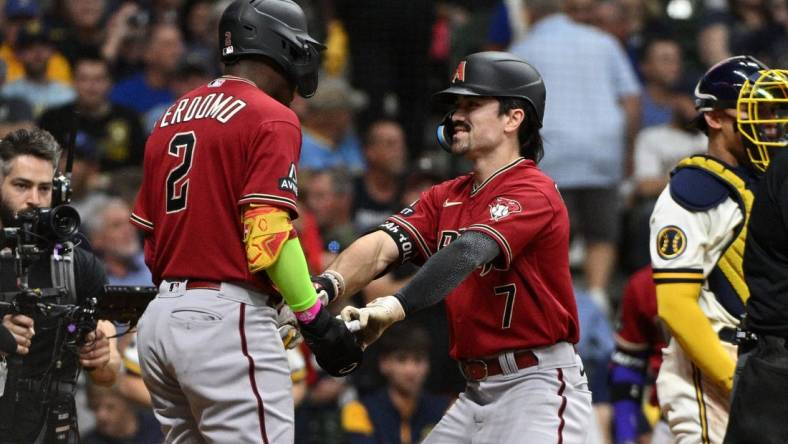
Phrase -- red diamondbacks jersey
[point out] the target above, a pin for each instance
(639, 328)
(524, 299)
(218, 147)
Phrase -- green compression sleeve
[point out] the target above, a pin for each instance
(291, 276)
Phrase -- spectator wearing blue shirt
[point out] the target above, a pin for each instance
(596, 347)
(591, 117)
(145, 90)
(401, 412)
(329, 139)
(661, 66)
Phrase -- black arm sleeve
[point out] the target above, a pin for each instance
(446, 269)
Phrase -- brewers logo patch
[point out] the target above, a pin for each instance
(671, 242)
(502, 207)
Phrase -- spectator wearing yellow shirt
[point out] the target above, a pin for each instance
(19, 13)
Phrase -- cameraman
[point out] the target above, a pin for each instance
(31, 400)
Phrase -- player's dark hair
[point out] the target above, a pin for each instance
(531, 145)
(404, 337)
(35, 142)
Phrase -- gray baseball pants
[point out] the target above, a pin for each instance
(545, 404)
(215, 366)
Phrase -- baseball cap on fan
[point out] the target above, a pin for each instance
(335, 93)
(33, 33)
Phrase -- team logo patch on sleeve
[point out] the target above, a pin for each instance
(671, 242)
(409, 210)
(289, 183)
(502, 207)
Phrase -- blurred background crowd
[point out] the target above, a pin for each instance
(619, 77)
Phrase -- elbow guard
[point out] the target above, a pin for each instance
(266, 229)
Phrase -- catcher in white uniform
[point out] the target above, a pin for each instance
(698, 230)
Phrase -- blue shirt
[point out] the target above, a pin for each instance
(596, 345)
(39, 95)
(586, 74)
(316, 154)
(135, 93)
(374, 419)
(138, 274)
(653, 114)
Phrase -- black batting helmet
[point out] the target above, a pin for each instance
(496, 74)
(275, 29)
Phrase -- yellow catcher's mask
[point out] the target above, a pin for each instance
(763, 114)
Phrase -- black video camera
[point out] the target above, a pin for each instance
(41, 227)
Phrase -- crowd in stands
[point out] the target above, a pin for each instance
(619, 76)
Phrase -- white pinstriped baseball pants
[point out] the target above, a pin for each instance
(215, 366)
(545, 404)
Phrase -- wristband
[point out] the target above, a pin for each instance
(332, 282)
(309, 315)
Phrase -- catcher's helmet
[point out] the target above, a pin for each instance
(719, 88)
(492, 74)
(275, 29)
(763, 114)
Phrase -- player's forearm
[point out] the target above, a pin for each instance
(444, 271)
(679, 310)
(269, 248)
(290, 274)
(364, 260)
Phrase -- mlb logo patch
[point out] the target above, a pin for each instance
(459, 73)
(502, 207)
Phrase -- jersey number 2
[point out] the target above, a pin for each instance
(182, 147)
(508, 290)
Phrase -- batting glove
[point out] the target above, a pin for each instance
(375, 318)
(288, 327)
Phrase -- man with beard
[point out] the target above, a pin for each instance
(36, 391)
(34, 49)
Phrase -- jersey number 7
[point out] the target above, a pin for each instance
(181, 146)
(508, 290)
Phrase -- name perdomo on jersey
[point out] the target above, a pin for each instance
(211, 106)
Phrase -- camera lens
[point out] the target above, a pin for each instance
(64, 221)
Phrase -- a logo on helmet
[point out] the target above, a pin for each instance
(502, 207)
(459, 73)
(228, 43)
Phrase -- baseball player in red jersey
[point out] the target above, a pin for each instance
(639, 343)
(494, 244)
(216, 204)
